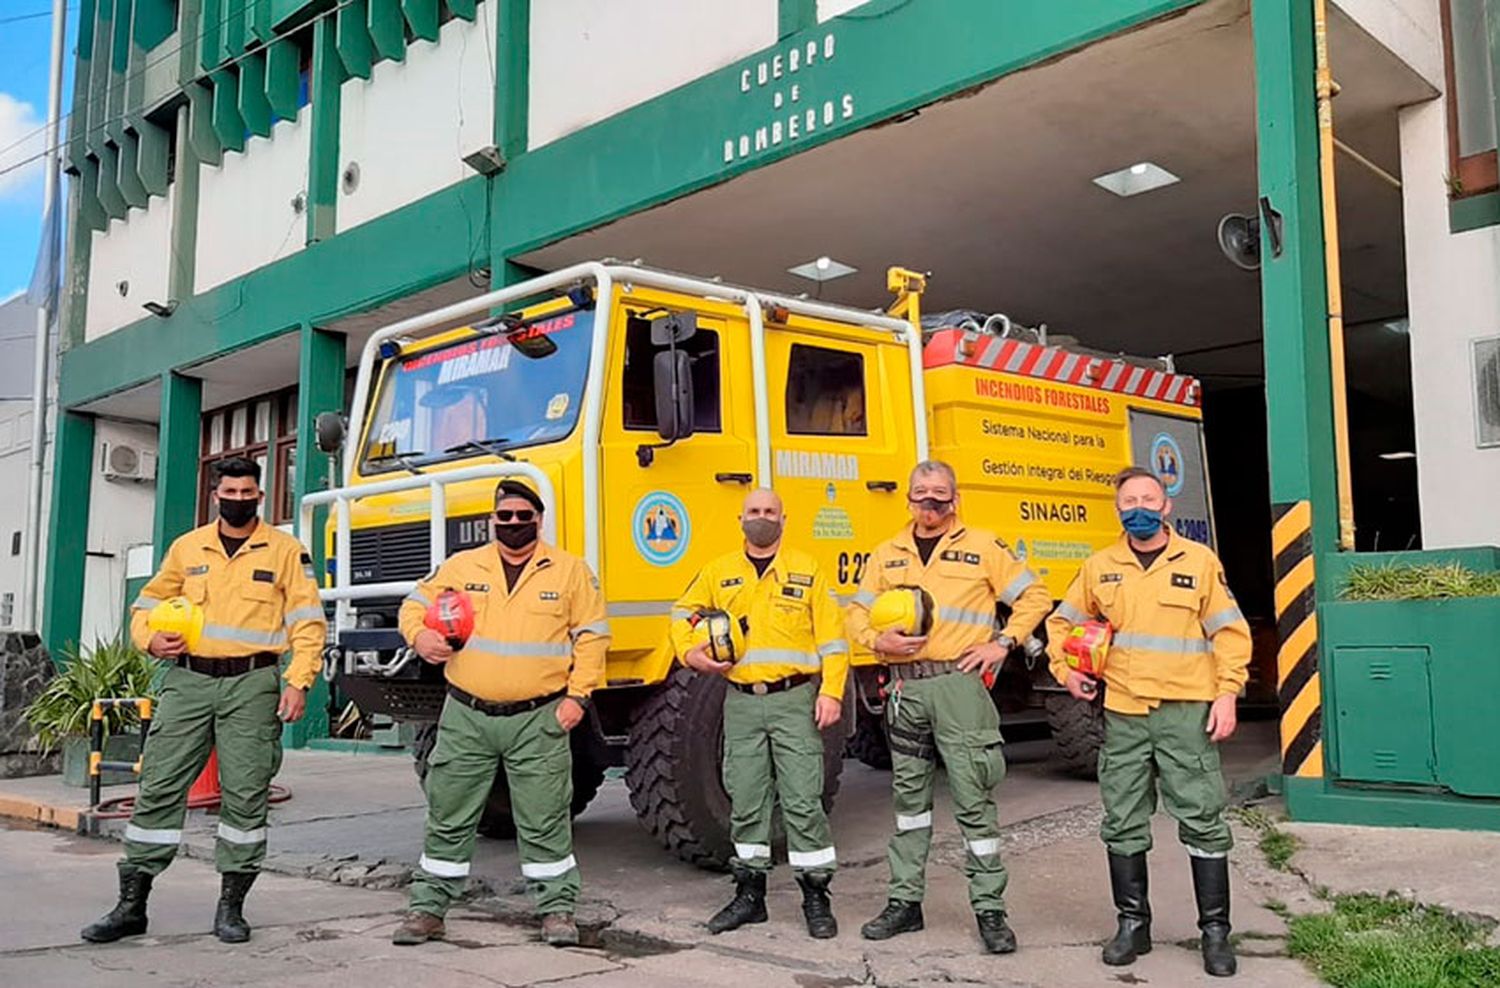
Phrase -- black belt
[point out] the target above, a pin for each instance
(775, 686)
(227, 667)
(508, 708)
(922, 669)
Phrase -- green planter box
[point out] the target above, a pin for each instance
(117, 748)
(1410, 693)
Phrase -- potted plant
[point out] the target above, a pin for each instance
(60, 714)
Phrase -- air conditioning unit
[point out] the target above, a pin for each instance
(127, 461)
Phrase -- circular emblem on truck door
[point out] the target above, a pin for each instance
(661, 528)
(1166, 463)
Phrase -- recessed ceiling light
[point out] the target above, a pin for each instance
(1404, 454)
(823, 268)
(1143, 176)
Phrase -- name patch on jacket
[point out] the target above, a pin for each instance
(893, 563)
(957, 556)
(477, 587)
(551, 595)
(1111, 577)
(733, 581)
(197, 570)
(1184, 580)
(263, 576)
(792, 592)
(801, 579)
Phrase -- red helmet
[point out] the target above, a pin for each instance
(452, 616)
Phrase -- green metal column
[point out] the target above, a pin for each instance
(327, 81)
(178, 443)
(67, 535)
(320, 388)
(795, 15)
(512, 77)
(1299, 403)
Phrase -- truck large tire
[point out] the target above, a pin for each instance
(1077, 733)
(868, 743)
(496, 821)
(672, 768)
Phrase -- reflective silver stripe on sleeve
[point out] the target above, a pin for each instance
(863, 597)
(417, 597)
(638, 608)
(548, 869)
(521, 650)
(245, 636)
(144, 603)
(985, 619)
(1017, 587)
(594, 628)
(749, 852)
(681, 614)
(780, 656)
(835, 647)
(304, 614)
(1072, 613)
(821, 858)
(920, 821)
(443, 869)
(144, 835)
(1215, 623)
(234, 835)
(1162, 643)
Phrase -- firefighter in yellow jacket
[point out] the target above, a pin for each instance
(516, 687)
(786, 687)
(1171, 675)
(939, 704)
(253, 588)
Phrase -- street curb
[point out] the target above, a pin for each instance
(39, 813)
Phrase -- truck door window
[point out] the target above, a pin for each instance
(638, 391)
(825, 392)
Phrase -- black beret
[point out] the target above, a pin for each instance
(515, 488)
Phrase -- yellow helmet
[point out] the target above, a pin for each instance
(721, 632)
(178, 616)
(908, 610)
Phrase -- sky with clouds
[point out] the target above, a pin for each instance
(25, 34)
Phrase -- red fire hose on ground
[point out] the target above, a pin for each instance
(204, 794)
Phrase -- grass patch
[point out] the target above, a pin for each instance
(1371, 941)
(1432, 581)
(1278, 846)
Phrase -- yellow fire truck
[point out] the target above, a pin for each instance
(643, 405)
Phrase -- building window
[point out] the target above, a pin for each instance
(15, 543)
(639, 390)
(262, 429)
(1487, 391)
(825, 392)
(1471, 97)
(7, 609)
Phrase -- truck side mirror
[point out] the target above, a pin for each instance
(329, 427)
(672, 376)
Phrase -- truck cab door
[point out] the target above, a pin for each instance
(668, 508)
(842, 444)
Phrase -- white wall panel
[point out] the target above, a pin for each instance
(590, 59)
(1454, 298)
(1411, 29)
(245, 214)
(409, 126)
(129, 266)
(829, 9)
(121, 515)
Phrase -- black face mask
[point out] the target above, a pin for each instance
(238, 512)
(931, 504)
(516, 536)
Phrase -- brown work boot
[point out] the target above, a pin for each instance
(418, 928)
(559, 930)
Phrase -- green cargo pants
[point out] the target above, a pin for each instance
(538, 761)
(196, 713)
(773, 751)
(954, 716)
(1168, 745)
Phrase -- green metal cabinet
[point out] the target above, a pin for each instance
(1383, 703)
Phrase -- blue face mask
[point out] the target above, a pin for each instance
(1141, 522)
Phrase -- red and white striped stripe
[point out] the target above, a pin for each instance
(1055, 364)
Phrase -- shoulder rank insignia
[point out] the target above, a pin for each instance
(972, 558)
(550, 595)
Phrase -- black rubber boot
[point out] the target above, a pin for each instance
(1211, 886)
(996, 933)
(816, 908)
(748, 904)
(1127, 878)
(128, 917)
(897, 917)
(229, 921)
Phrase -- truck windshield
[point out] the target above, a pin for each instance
(480, 394)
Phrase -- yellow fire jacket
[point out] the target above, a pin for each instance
(793, 614)
(1178, 634)
(262, 600)
(545, 634)
(969, 570)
